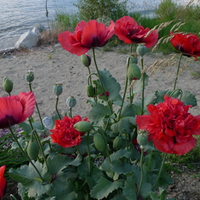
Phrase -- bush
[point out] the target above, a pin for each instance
(166, 10)
(94, 9)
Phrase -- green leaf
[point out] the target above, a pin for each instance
(122, 167)
(139, 83)
(25, 127)
(154, 196)
(128, 110)
(119, 197)
(188, 98)
(28, 176)
(122, 153)
(109, 84)
(98, 112)
(104, 187)
(129, 189)
(145, 189)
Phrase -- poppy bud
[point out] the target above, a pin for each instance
(141, 50)
(29, 76)
(83, 126)
(57, 88)
(7, 85)
(117, 143)
(90, 90)
(71, 102)
(133, 72)
(86, 60)
(32, 150)
(99, 142)
(142, 138)
(133, 58)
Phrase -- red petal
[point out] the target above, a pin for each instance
(143, 121)
(2, 181)
(10, 112)
(28, 103)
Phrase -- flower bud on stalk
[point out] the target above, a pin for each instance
(90, 90)
(33, 150)
(134, 72)
(71, 101)
(83, 126)
(133, 58)
(117, 143)
(142, 138)
(29, 76)
(141, 50)
(57, 88)
(7, 85)
(99, 142)
(86, 60)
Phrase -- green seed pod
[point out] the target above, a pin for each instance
(141, 50)
(99, 142)
(90, 90)
(142, 139)
(71, 101)
(133, 58)
(117, 143)
(134, 72)
(83, 126)
(86, 60)
(29, 76)
(32, 150)
(57, 89)
(7, 85)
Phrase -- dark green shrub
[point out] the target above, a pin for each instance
(95, 9)
(166, 10)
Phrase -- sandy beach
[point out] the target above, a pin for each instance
(52, 65)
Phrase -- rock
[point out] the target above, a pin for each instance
(27, 40)
(38, 29)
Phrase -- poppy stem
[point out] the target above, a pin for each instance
(25, 154)
(56, 107)
(125, 89)
(30, 88)
(96, 66)
(143, 84)
(177, 72)
(39, 143)
(160, 171)
(141, 167)
(89, 155)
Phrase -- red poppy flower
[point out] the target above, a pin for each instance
(16, 109)
(127, 29)
(86, 36)
(64, 134)
(188, 44)
(170, 126)
(2, 181)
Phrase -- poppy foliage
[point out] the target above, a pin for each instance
(64, 134)
(16, 109)
(128, 30)
(87, 35)
(171, 127)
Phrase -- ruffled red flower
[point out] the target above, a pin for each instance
(64, 134)
(170, 126)
(86, 36)
(16, 109)
(2, 181)
(127, 30)
(188, 44)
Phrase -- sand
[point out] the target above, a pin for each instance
(52, 65)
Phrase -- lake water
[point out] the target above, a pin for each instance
(19, 16)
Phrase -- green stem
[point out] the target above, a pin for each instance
(30, 88)
(25, 154)
(160, 171)
(125, 89)
(37, 138)
(96, 66)
(56, 107)
(90, 80)
(143, 84)
(70, 112)
(142, 173)
(177, 72)
(89, 155)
